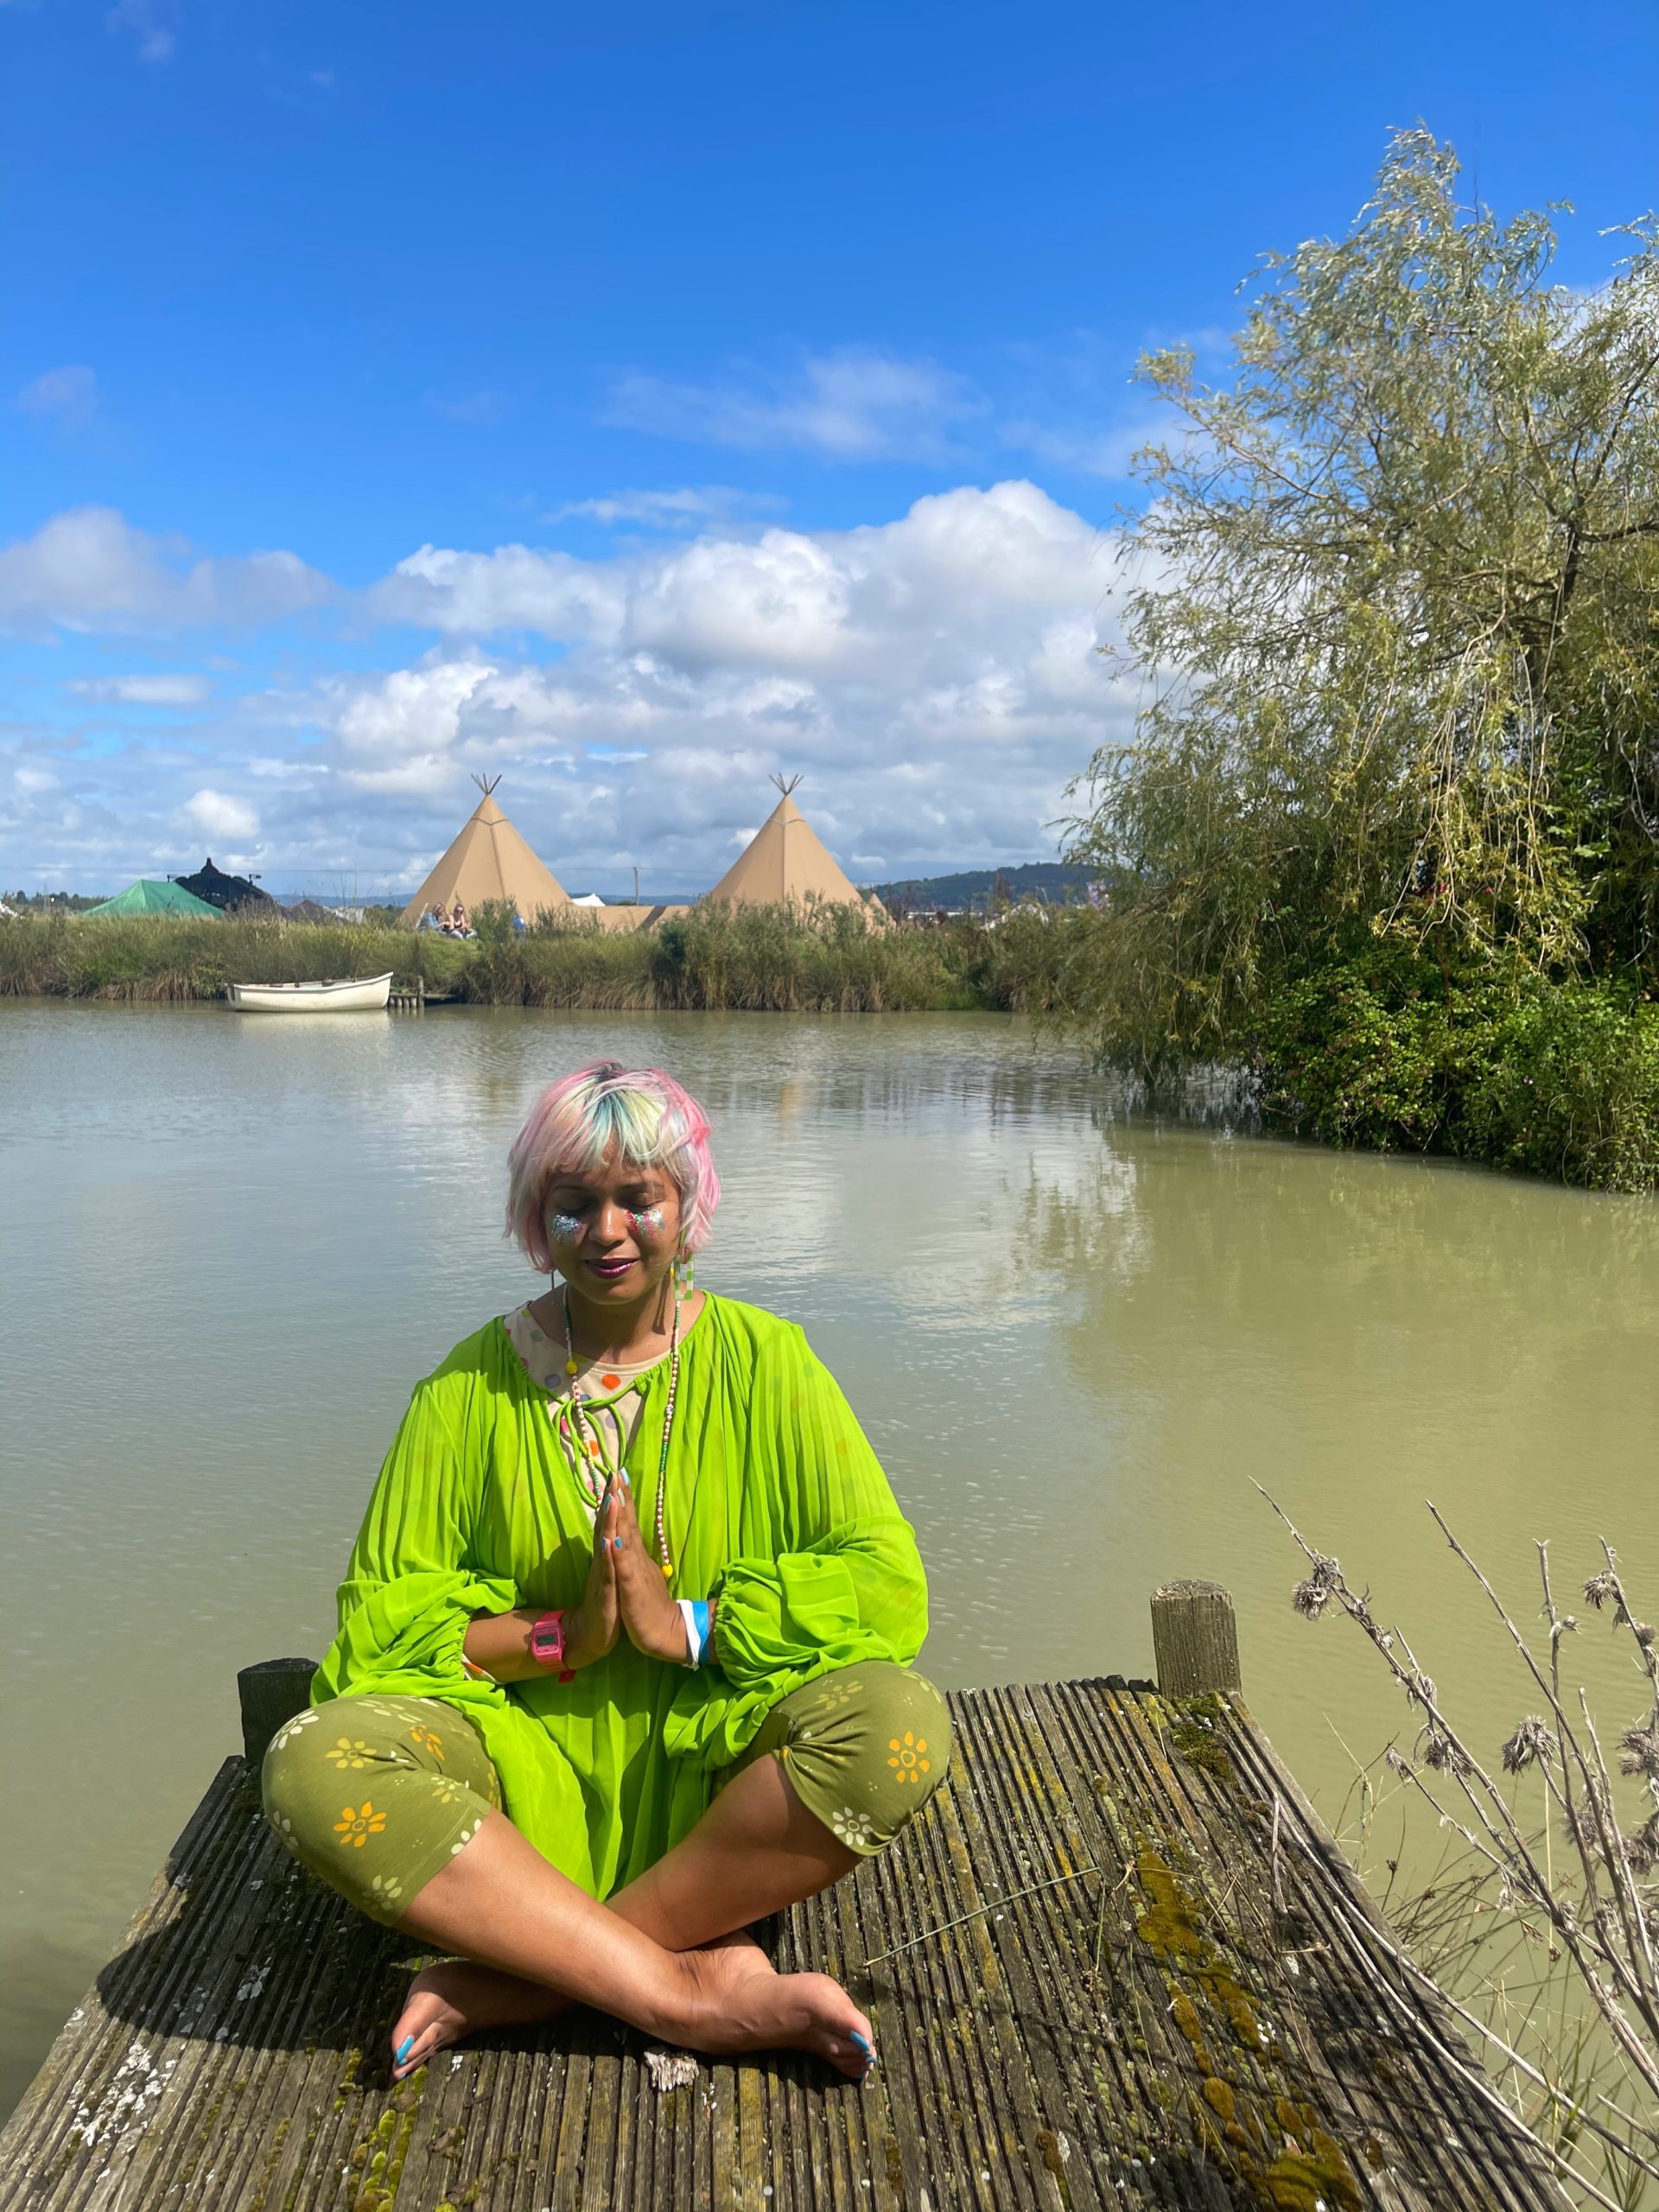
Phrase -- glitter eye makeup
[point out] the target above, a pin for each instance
(649, 1218)
(564, 1227)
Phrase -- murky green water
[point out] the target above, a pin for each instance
(230, 1246)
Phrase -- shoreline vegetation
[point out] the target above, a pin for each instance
(746, 959)
(1385, 1051)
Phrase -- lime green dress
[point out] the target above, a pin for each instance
(776, 1504)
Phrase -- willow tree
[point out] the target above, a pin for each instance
(1394, 608)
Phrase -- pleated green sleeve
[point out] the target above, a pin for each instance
(412, 1585)
(826, 1573)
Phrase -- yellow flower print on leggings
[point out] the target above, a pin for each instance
(908, 1761)
(355, 1826)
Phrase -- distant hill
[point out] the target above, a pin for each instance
(978, 889)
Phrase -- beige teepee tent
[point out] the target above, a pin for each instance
(784, 863)
(488, 859)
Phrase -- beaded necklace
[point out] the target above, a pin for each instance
(589, 1441)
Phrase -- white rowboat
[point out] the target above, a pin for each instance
(361, 994)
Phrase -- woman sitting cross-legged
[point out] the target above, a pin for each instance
(625, 1644)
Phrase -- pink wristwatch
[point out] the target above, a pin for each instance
(547, 1646)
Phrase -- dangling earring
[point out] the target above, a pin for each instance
(685, 1274)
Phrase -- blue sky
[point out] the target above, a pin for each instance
(636, 401)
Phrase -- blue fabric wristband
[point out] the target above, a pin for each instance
(693, 1612)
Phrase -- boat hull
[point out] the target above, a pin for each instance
(359, 995)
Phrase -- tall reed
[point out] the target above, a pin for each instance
(753, 959)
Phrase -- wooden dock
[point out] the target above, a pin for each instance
(1146, 1977)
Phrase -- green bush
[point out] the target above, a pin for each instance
(1353, 1062)
(1384, 1048)
(1566, 1084)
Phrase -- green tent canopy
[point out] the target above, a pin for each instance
(146, 897)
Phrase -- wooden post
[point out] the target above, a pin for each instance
(271, 1692)
(1194, 1639)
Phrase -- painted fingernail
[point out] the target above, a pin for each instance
(617, 1540)
(403, 2048)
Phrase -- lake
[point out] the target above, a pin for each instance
(1078, 1340)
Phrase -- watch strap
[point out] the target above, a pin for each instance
(547, 1641)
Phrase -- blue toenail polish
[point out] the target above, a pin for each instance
(861, 2041)
(403, 2048)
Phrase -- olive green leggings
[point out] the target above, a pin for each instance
(375, 1793)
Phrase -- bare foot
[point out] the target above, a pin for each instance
(741, 2003)
(735, 1958)
(455, 1998)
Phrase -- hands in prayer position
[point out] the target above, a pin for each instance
(649, 1617)
(626, 1594)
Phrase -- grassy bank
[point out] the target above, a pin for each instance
(756, 960)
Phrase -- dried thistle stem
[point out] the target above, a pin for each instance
(1607, 1934)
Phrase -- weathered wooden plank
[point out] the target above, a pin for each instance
(1136, 2153)
(1165, 1989)
(956, 2120)
(1069, 2060)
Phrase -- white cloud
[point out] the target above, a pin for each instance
(150, 24)
(218, 815)
(399, 732)
(786, 600)
(278, 770)
(848, 405)
(512, 589)
(936, 676)
(89, 568)
(67, 397)
(782, 603)
(1084, 452)
(70, 820)
(676, 510)
(145, 691)
(1070, 409)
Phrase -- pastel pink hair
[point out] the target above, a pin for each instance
(575, 1123)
